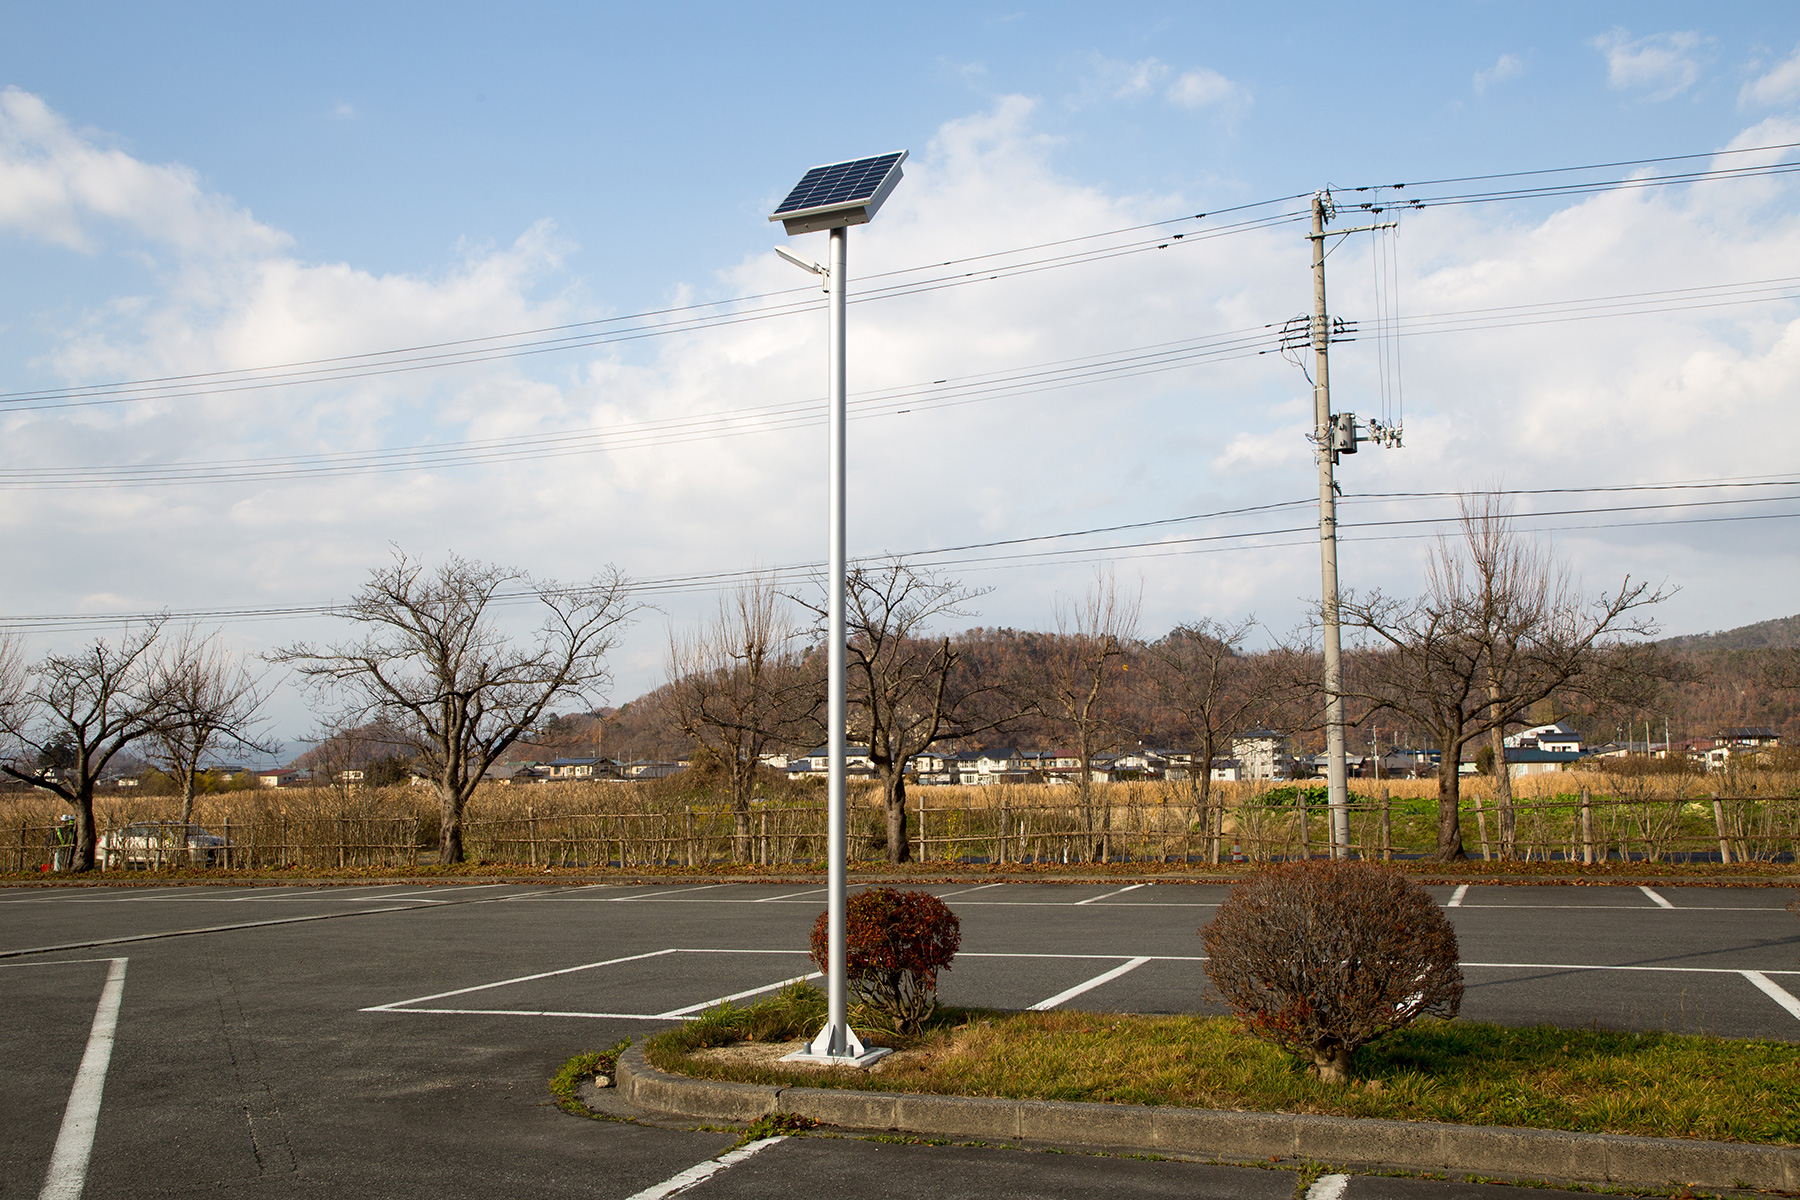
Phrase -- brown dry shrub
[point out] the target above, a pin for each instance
(1321, 958)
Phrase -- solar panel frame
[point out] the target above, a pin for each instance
(841, 193)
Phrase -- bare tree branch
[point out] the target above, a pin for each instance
(433, 665)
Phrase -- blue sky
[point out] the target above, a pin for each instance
(198, 188)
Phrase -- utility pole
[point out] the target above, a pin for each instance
(1325, 438)
(1333, 434)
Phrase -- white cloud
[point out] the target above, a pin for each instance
(1779, 85)
(1507, 66)
(1206, 88)
(1662, 64)
(1116, 79)
(54, 182)
(344, 111)
(1658, 395)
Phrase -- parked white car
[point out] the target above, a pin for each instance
(159, 844)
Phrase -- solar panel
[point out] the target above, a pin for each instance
(845, 193)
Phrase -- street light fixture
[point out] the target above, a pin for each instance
(834, 197)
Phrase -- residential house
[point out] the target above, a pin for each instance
(1264, 753)
(1529, 760)
(1558, 738)
(817, 763)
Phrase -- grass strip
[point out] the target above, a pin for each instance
(1464, 1072)
(565, 1084)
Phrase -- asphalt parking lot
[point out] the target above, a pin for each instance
(395, 1041)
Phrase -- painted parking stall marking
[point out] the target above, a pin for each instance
(705, 1171)
(1063, 997)
(1091, 899)
(81, 1119)
(1774, 991)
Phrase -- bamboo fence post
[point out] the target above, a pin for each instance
(1305, 823)
(1587, 829)
(1000, 851)
(763, 826)
(1481, 827)
(1387, 827)
(687, 831)
(1718, 808)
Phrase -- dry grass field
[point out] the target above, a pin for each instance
(1756, 817)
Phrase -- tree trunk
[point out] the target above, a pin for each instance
(1449, 831)
(1084, 795)
(86, 837)
(187, 814)
(742, 845)
(1503, 793)
(893, 797)
(1332, 1063)
(450, 839)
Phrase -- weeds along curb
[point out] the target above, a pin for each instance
(1545, 1154)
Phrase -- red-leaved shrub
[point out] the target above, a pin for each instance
(896, 944)
(1323, 957)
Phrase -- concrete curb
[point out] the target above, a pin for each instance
(1544, 1154)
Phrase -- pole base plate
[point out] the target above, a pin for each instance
(854, 1054)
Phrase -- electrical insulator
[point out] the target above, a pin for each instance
(1343, 433)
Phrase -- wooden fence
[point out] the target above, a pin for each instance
(1126, 823)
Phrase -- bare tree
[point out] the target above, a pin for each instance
(1085, 672)
(76, 712)
(433, 665)
(212, 700)
(1496, 632)
(1209, 690)
(906, 692)
(738, 686)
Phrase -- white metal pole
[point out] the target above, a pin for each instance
(1337, 781)
(837, 708)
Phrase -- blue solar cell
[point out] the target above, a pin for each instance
(839, 183)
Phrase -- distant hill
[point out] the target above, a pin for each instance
(1778, 634)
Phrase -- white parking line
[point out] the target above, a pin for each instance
(704, 1171)
(659, 895)
(965, 891)
(524, 1012)
(482, 987)
(171, 933)
(1456, 897)
(75, 1142)
(685, 1013)
(1774, 991)
(1328, 1187)
(1134, 887)
(755, 991)
(1656, 896)
(789, 896)
(1090, 985)
(1621, 967)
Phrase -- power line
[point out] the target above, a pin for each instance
(457, 354)
(1035, 379)
(465, 351)
(940, 557)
